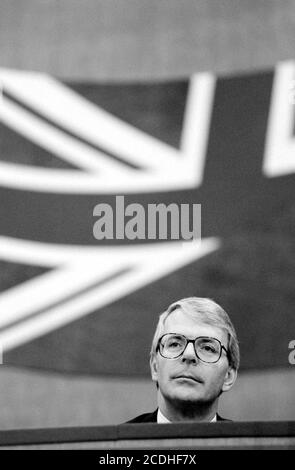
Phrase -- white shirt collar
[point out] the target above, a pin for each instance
(161, 419)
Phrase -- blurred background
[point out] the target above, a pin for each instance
(162, 102)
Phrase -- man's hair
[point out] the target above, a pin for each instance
(206, 311)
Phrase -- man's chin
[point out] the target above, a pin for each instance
(187, 396)
(188, 389)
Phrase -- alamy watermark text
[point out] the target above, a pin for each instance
(149, 222)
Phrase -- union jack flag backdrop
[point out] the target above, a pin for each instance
(71, 303)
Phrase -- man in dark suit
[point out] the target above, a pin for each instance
(194, 359)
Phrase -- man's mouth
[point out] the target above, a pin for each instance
(188, 377)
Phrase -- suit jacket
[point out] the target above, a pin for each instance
(152, 418)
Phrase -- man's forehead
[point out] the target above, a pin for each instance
(180, 322)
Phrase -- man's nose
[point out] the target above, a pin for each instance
(189, 353)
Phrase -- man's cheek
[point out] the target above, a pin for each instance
(167, 377)
(214, 384)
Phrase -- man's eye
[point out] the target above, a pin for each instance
(208, 348)
(174, 344)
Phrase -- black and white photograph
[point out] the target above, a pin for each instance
(147, 227)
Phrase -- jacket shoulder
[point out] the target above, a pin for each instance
(219, 418)
(144, 418)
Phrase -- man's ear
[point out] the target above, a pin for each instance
(154, 368)
(229, 379)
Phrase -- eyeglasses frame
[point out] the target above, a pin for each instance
(192, 341)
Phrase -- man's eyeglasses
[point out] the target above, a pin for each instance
(207, 349)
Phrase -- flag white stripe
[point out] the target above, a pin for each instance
(58, 142)
(163, 167)
(279, 155)
(67, 108)
(50, 180)
(197, 120)
(45, 290)
(161, 263)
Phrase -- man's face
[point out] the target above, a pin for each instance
(187, 378)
